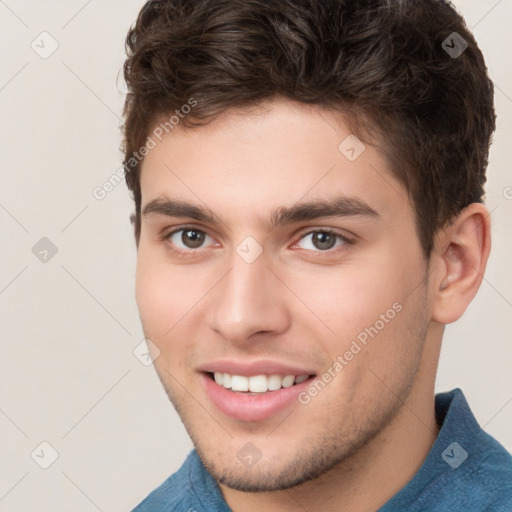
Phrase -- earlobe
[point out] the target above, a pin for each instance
(461, 258)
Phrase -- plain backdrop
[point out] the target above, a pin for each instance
(69, 322)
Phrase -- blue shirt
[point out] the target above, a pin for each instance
(466, 470)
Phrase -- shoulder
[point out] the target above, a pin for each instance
(483, 482)
(190, 489)
(477, 473)
(487, 478)
(169, 495)
(466, 470)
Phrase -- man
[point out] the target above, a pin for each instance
(308, 180)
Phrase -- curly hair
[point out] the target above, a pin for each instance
(383, 63)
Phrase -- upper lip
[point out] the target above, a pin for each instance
(257, 367)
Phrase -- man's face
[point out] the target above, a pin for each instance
(243, 295)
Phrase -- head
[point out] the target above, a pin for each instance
(325, 161)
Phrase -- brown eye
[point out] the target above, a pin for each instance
(187, 238)
(192, 238)
(322, 240)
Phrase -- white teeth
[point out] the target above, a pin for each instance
(239, 383)
(274, 382)
(288, 381)
(257, 383)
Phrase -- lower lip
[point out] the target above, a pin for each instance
(248, 407)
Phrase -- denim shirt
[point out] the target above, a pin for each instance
(466, 470)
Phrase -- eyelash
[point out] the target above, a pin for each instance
(346, 241)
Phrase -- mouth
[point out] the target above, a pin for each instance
(256, 384)
(254, 398)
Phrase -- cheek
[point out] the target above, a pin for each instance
(167, 295)
(163, 305)
(366, 310)
(157, 292)
(348, 298)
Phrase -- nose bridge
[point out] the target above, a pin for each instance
(247, 299)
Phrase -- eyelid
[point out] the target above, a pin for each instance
(187, 227)
(347, 240)
(167, 232)
(316, 229)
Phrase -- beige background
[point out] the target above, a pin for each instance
(69, 326)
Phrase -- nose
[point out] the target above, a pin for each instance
(249, 299)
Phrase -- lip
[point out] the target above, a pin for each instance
(252, 407)
(258, 367)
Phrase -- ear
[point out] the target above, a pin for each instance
(460, 257)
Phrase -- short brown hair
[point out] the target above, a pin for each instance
(382, 62)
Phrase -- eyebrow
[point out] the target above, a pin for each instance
(342, 206)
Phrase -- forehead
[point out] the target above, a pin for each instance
(250, 162)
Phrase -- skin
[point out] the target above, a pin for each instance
(363, 437)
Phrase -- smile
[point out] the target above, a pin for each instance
(257, 383)
(253, 398)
